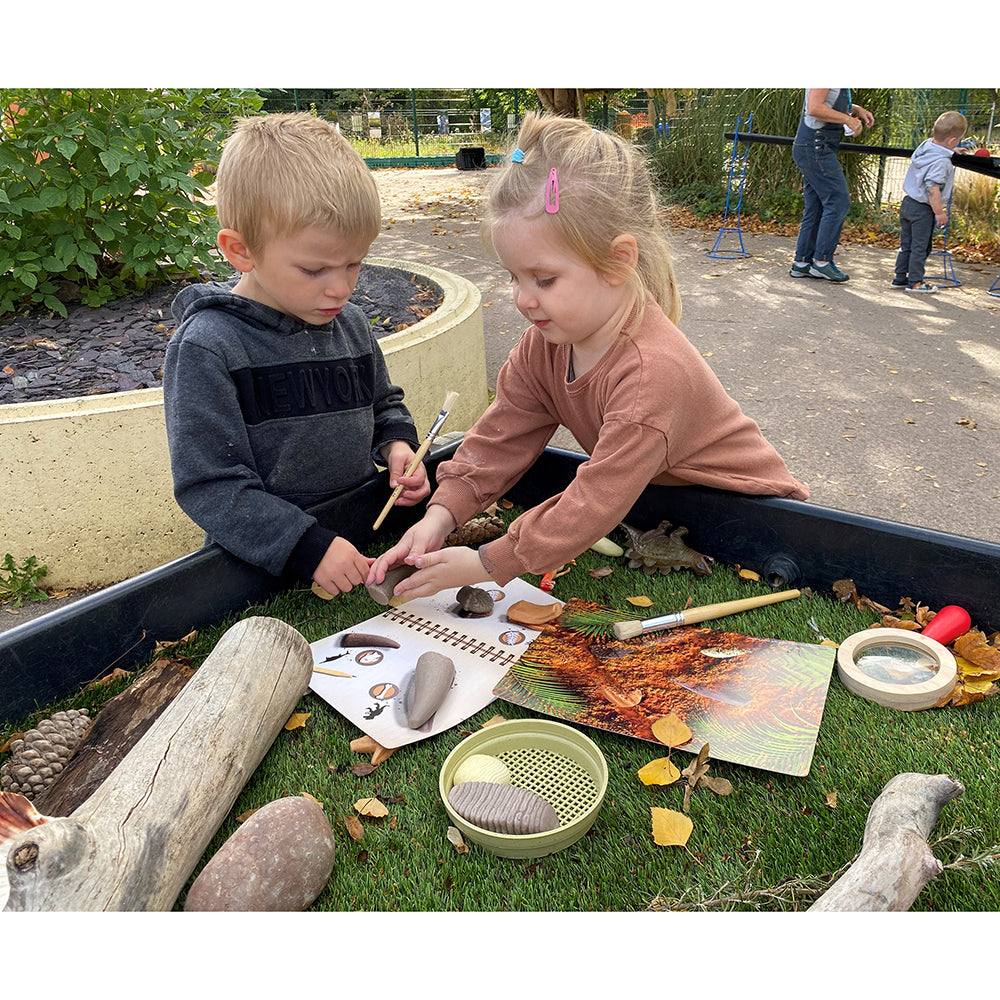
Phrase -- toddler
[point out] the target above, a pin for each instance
(276, 394)
(573, 217)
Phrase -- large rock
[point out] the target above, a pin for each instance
(279, 859)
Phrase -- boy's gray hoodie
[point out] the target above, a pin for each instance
(266, 415)
(929, 164)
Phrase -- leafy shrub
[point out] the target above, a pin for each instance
(99, 195)
(783, 205)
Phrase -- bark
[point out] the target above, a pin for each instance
(120, 724)
(133, 844)
(895, 862)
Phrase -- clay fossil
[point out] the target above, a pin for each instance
(430, 684)
(474, 602)
(534, 615)
(381, 593)
(482, 767)
(502, 808)
(367, 639)
(656, 551)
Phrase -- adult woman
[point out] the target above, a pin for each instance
(827, 114)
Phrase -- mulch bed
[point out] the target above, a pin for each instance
(121, 345)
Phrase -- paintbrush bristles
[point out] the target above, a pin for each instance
(626, 630)
(449, 400)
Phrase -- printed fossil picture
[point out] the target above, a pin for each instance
(757, 702)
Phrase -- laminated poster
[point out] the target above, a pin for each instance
(372, 692)
(757, 702)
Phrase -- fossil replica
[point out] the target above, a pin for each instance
(656, 551)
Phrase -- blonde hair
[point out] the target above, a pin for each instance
(282, 173)
(948, 125)
(605, 190)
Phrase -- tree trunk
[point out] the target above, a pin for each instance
(895, 862)
(133, 844)
(119, 725)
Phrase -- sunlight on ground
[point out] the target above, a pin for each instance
(983, 354)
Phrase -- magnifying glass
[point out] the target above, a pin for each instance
(896, 668)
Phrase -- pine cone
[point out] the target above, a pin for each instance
(41, 753)
(480, 529)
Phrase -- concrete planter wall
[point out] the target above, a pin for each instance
(86, 481)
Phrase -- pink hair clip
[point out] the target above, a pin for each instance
(552, 193)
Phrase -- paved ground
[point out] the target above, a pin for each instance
(886, 404)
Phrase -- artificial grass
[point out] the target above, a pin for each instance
(768, 834)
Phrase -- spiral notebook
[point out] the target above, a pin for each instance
(372, 691)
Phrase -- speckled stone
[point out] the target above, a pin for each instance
(278, 860)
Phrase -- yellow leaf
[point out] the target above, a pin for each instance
(671, 732)
(320, 592)
(831, 799)
(371, 807)
(298, 720)
(670, 829)
(748, 574)
(640, 602)
(659, 772)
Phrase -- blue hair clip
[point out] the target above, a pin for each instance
(517, 156)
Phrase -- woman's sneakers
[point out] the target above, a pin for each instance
(829, 270)
(921, 286)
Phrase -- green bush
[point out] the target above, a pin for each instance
(99, 195)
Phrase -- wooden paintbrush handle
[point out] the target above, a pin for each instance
(421, 451)
(731, 607)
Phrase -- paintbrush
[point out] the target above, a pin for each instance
(629, 630)
(449, 402)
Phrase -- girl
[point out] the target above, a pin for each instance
(573, 218)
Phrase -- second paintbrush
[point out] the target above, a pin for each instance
(629, 630)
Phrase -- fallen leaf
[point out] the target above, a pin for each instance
(640, 602)
(831, 799)
(493, 720)
(355, 828)
(661, 771)
(721, 786)
(113, 676)
(320, 592)
(363, 770)
(670, 731)
(973, 647)
(161, 645)
(601, 572)
(455, 839)
(312, 798)
(371, 807)
(297, 720)
(244, 816)
(748, 574)
(670, 828)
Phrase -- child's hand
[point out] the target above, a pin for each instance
(398, 456)
(342, 567)
(427, 535)
(455, 566)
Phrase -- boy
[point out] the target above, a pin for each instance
(276, 394)
(926, 190)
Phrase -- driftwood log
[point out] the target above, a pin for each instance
(119, 725)
(895, 861)
(135, 841)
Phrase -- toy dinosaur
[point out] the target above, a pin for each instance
(656, 551)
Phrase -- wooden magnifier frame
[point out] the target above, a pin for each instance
(908, 697)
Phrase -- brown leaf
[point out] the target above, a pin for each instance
(671, 731)
(371, 807)
(974, 648)
(355, 828)
(161, 645)
(721, 786)
(601, 572)
(670, 828)
(455, 839)
(363, 770)
(831, 799)
(322, 594)
(113, 676)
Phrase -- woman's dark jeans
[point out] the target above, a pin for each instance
(826, 197)
(916, 233)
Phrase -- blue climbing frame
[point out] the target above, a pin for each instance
(724, 229)
(945, 254)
